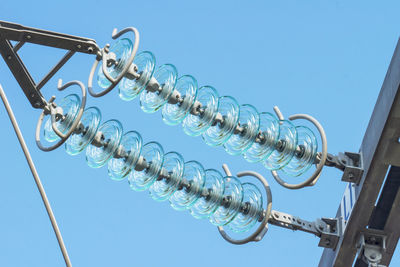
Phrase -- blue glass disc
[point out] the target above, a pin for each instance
(141, 180)
(219, 133)
(305, 156)
(130, 147)
(173, 167)
(253, 203)
(212, 194)
(90, 122)
(249, 121)
(284, 148)
(70, 106)
(269, 127)
(130, 88)
(166, 75)
(174, 114)
(122, 48)
(232, 202)
(193, 175)
(195, 125)
(96, 154)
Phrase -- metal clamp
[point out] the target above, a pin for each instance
(329, 232)
(371, 246)
(312, 180)
(327, 229)
(51, 108)
(104, 54)
(353, 168)
(263, 227)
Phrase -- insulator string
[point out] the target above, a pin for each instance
(206, 193)
(220, 120)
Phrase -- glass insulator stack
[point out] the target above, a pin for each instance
(206, 193)
(220, 120)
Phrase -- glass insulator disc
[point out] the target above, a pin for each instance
(104, 144)
(231, 202)
(142, 179)
(285, 147)
(196, 124)
(70, 106)
(251, 210)
(219, 133)
(122, 49)
(152, 100)
(211, 197)
(249, 124)
(128, 154)
(305, 154)
(266, 140)
(174, 114)
(131, 88)
(171, 175)
(85, 132)
(190, 187)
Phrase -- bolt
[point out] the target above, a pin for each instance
(32, 95)
(373, 256)
(327, 242)
(9, 57)
(107, 48)
(351, 175)
(28, 37)
(36, 105)
(79, 46)
(276, 215)
(90, 49)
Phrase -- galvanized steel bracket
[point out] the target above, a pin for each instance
(353, 167)
(371, 245)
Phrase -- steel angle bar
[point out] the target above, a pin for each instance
(378, 149)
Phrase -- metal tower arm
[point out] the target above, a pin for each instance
(15, 32)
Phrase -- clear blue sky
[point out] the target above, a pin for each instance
(324, 58)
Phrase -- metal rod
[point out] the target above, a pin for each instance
(56, 68)
(21, 74)
(18, 46)
(36, 177)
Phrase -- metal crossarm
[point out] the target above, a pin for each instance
(15, 32)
